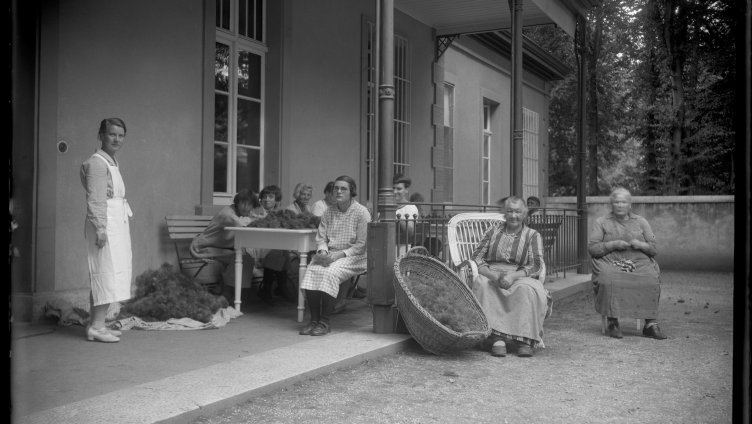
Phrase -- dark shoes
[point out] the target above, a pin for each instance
(524, 351)
(321, 329)
(653, 331)
(613, 329)
(306, 331)
(499, 348)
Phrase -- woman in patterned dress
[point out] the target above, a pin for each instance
(509, 286)
(340, 254)
(626, 276)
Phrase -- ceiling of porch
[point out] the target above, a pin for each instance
(450, 17)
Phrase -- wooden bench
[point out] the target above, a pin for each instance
(182, 229)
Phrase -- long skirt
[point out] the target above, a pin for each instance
(517, 313)
(627, 294)
(328, 279)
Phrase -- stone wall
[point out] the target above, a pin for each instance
(692, 232)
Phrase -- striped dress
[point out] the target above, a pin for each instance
(339, 231)
(516, 313)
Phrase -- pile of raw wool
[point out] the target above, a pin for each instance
(166, 293)
(287, 219)
(442, 301)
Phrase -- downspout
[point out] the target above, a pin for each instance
(516, 6)
(381, 233)
(582, 228)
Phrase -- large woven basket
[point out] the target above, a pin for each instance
(432, 335)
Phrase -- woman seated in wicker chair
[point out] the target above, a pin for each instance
(509, 286)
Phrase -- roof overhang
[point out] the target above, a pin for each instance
(451, 17)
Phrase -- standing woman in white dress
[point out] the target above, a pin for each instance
(107, 230)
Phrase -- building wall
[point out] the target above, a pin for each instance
(140, 61)
(323, 94)
(146, 63)
(692, 232)
(479, 73)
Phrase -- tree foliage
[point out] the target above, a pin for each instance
(660, 81)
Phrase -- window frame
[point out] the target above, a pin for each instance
(237, 43)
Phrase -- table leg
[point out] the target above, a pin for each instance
(238, 276)
(301, 274)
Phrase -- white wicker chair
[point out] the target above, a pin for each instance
(464, 233)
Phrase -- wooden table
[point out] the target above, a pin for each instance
(301, 241)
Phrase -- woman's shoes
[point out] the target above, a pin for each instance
(321, 329)
(116, 333)
(499, 348)
(100, 335)
(306, 331)
(614, 330)
(653, 331)
(524, 351)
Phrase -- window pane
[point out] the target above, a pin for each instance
(222, 67)
(220, 168)
(259, 20)
(225, 14)
(220, 117)
(243, 18)
(485, 170)
(249, 75)
(486, 142)
(248, 166)
(249, 122)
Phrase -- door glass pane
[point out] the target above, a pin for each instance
(221, 110)
(220, 168)
(249, 75)
(248, 166)
(222, 67)
(249, 122)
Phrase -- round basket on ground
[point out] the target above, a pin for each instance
(444, 319)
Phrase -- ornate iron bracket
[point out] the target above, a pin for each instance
(443, 42)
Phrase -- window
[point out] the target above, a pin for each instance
(529, 153)
(448, 170)
(485, 156)
(238, 97)
(402, 107)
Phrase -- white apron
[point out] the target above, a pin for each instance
(110, 267)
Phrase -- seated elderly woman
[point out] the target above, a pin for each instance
(626, 276)
(302, 195)
(509, 286)
(217, 243)
(340, 255)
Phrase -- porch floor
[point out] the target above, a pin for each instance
(150, 376)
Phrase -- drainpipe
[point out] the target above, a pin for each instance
(381, 233)
(516, 6)
(582, 228)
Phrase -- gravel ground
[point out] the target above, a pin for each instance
(581, 377)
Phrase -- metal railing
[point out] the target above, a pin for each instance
(558, 226)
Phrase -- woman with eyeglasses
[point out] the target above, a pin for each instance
(340, 255)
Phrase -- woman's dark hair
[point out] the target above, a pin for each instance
(271, 189)
(111, 121)
(329, 187)
(350, 182)
(246, 196)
